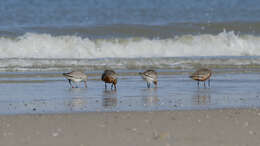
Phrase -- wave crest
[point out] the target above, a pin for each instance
(33, 45)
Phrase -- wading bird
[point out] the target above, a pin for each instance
(150, 76)
(76, 77)
(202, 75)
(109, 76)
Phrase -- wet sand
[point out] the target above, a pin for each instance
(47, 93)
(229, 127)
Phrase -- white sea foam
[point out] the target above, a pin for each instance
(33, 45)
(45, 52)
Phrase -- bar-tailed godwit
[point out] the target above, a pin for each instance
(150, 76)
(202, 75)
(109, 76)
(76, 77)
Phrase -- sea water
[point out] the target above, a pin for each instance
(39, 40)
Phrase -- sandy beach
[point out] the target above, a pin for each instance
(42, 40)
(229, 127)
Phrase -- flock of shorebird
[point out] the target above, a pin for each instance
(150, 76)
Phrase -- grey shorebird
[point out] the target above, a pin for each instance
(109, 76)
(150, 76)
(202, 75)
(76, 77)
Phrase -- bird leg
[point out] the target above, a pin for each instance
(70, 84)
(148, 85)
(198, 83)
(105, 85)
(209, 82)
(204, 84)
(85, 84)
(113, 85)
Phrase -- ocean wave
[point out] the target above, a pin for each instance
(176, 63)
(32, 45)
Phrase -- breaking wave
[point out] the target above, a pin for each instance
(47, 52)
(33, 45)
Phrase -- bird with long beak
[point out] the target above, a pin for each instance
(150, 76)
(109, 76)
(76, 77)
(202, 75)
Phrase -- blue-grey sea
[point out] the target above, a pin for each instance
(39, 40)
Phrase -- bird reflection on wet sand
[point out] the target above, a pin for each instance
(202, 96)
(110, 99)
(77, 104)
(78, 101)
(150, 97)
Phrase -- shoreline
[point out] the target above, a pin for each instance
(190, 127)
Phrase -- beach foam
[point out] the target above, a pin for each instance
(47, 52)
(33, 45)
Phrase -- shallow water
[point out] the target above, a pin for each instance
(41, 39)
(50, 93)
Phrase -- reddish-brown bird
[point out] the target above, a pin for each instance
(202, 74)
(109, 76)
